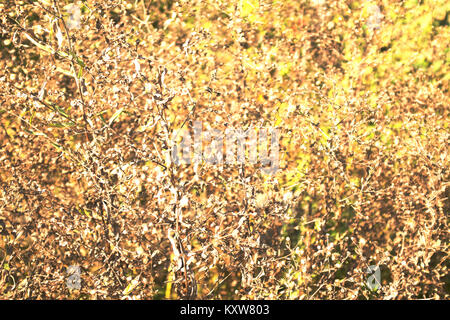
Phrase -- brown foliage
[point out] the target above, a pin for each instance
(86, 118)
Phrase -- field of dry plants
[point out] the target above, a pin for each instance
(92, 206)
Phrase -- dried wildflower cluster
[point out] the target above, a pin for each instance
(91, 93)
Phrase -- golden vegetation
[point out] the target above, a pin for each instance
(92, 91)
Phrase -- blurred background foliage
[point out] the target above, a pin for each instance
(91, 92)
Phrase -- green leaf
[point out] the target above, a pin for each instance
(115, 115)
(80, 72)
(62, 124)
(60, 111)
(133, 284)
(77, 59)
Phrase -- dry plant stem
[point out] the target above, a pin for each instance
(75, 75)
(172, 177)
